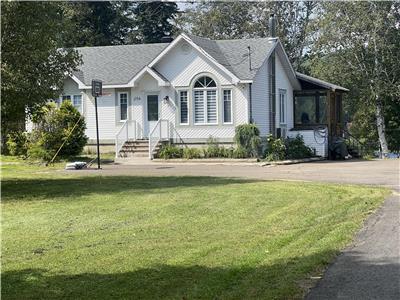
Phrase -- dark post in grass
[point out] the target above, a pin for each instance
(97, 89)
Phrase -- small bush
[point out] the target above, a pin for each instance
(213, 149)
(239, 152)
(276, 149)
(189, 153)
(18, 143)
(247, 138)
(55, 126)
(169, 151)
(226, 152)
(295, 148)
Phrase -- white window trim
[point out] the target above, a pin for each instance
(188, 107)
(223, 106)
(205, 105)
(284, 93)
(119, 106)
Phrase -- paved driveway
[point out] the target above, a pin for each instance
(370, 267)
(375, 172)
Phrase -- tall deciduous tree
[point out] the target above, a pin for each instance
(97, 23)
(152, 21)
(359, 43)
(231, 20)
(33, 66)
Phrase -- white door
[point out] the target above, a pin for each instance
(152, 113)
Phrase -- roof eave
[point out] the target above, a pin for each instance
(321, 83)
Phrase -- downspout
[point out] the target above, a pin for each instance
(250, 104)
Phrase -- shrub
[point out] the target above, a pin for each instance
(239, 152)
(213, 149)
(55, 126)
(189, 153)
(276, 149)
(226, 152)
(247, 138)
(295, 148)
(169, 151)
(17, 143)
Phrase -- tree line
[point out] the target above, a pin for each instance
(354, 44)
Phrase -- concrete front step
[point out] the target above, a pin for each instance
(137, 148)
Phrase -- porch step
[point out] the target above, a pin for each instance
(136, 148)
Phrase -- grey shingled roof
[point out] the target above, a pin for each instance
(233, 54)
(115, 64)
(119, 64)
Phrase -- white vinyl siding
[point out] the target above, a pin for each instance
(282, 106)
(123, 106)
(184, 109)
(227, 106)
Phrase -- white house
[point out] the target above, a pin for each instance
(192, 88)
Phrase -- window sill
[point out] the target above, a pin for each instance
(205, 124)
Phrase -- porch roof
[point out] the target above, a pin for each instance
(320, 83)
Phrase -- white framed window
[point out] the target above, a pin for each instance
(123, 106)
(227, 106)
(282, 106)
(77, 102)
(184, 107)
(65, 98)
(205, 101)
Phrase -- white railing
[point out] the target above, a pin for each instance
(130, 129)
(160, 132)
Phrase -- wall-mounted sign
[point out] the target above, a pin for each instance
(136, 98)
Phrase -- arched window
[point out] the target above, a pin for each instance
(205, 101)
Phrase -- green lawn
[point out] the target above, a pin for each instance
(125, 237)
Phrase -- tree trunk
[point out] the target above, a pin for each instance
(380, 123)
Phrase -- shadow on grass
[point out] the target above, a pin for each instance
(51, 188)
(277, 281)
(289, 279)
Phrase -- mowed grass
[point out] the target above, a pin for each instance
(121, 237)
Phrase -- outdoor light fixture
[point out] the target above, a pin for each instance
(166, 99)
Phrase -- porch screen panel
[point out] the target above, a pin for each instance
(198, 107)
(322, 109)
(305, 110)
(184, 107)
(211, 106)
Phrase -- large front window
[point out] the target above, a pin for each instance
(310, 108)
(205, 101)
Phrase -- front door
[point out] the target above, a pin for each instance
(151, 113)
